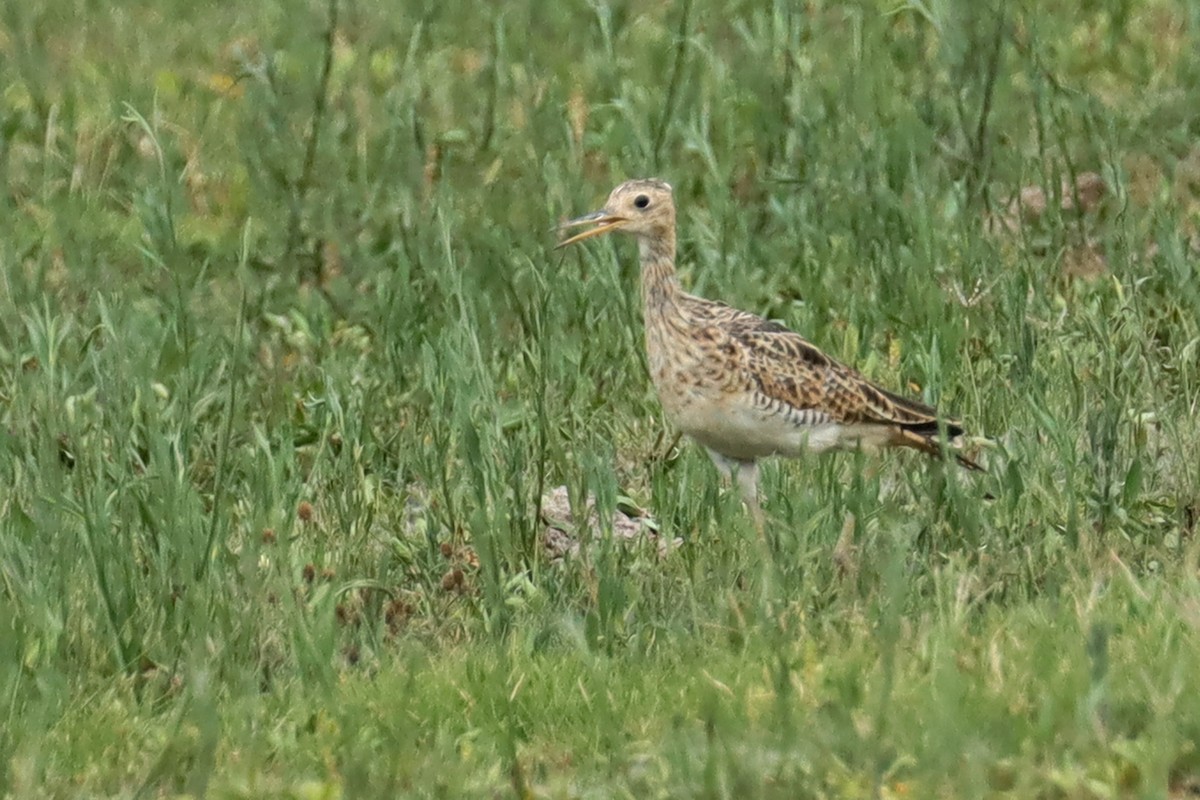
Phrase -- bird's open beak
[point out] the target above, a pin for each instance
(603, 221)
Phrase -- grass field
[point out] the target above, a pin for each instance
(289, 372)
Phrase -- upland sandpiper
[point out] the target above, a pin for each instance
(742, 386)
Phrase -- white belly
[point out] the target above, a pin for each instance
(743, 432)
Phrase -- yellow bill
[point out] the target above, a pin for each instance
(603, 221)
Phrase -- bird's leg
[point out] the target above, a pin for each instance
(747, 478)
(746, 475)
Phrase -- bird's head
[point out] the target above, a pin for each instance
(641, 207)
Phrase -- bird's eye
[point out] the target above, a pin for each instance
(641, 201)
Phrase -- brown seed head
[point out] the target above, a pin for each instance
(452, 580)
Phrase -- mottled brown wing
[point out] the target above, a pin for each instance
(790, 369)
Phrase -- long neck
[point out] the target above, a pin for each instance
(660, 285)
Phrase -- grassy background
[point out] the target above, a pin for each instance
(286, 364)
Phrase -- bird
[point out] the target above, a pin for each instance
(742, 386)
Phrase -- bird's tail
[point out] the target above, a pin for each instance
(927, 441)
